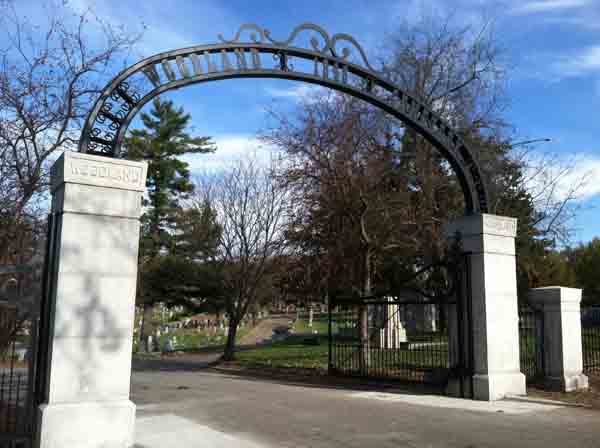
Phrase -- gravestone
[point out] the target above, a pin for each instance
(392, 332)
(150, 343)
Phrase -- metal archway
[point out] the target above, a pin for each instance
(322, 64)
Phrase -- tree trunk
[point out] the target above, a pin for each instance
(229, 353)
(364, 319)
(145, 327)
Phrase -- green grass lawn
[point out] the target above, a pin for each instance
(294, 353)
(320, 326)
(291, 353)
(191, 339)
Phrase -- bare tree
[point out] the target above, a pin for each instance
(349, 203)
(367, 188)
(50, 73)
(555, 185)
(251, 214)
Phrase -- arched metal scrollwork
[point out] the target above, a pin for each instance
(337, 62)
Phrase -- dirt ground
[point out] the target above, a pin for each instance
(590, 398)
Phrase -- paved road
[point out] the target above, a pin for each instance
(264, 330)
(185, 405)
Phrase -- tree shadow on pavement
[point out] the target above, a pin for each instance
(327, 381)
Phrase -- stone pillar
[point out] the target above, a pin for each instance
(562, 351)
(489, 241)
(97, 204)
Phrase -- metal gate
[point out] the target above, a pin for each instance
(590, 337)
(406, 336)
(406, 340)
(531, 339)
(24, 297)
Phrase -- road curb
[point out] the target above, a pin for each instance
(548, 402)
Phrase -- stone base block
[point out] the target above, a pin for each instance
(567, 383)
(496, 386)
(86, 425)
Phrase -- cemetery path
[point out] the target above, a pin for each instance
(264, 330)
(204, 408)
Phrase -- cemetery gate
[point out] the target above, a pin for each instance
(106, 239)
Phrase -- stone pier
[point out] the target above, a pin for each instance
(97, 205)
(489, 243)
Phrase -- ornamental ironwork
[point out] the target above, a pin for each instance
(337, 62)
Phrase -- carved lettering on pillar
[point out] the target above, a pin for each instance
(498, 225)
(127, 174)
(109, 174)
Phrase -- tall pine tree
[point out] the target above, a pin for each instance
(161, 143)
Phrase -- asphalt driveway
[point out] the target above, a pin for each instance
(183, 404)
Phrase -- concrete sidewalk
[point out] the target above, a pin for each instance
(170, 430)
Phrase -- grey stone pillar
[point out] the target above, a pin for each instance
(97, 204)
(489, 241)
(562, 351)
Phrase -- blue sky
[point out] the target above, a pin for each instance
(552, 45)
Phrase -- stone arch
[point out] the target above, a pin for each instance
(322, 64)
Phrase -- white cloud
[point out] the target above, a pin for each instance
(587, 60)
(548, 6)
(558, 179)
(298, 92)
(230, 148)
(585, 172)
(164, 29)
(554, 67)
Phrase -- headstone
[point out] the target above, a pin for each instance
(150, 343)
(430, 318)
(392, 332)
(168, 348)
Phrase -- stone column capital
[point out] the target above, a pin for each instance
(482, 224)
(90, 184)
(87, 169)
(484, 233)
(555, 295)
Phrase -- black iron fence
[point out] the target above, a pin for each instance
(590, 337)
(531, 327)
(390, 340)
(21, 288)
(16, 410)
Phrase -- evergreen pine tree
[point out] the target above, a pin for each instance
(161, 143)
